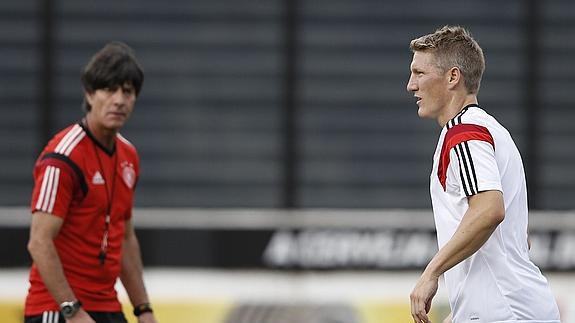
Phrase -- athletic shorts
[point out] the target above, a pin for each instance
(56, 317)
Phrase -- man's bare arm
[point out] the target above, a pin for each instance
(44, 229)
(486, 210)
(132, 272)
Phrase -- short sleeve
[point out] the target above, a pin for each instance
(476, 168)
(55, 185)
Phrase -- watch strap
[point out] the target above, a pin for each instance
(143, 308)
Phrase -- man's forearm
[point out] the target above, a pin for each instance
(48, 263)
(479, 222)
(132, 271)
(468, 238)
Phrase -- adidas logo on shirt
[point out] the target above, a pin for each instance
(98, 179)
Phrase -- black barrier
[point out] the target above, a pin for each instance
(300, 249)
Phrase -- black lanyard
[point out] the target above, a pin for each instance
(109, 201)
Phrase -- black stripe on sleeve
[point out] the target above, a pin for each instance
(461, 173)
(468, 174)
(73, 166)
(466, 144)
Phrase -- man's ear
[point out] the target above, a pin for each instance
(454, 77)
(88, 97)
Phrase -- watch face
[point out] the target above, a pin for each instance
(68, 309)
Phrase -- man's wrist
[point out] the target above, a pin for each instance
(431, 273)
(143, 308)
(70, 308)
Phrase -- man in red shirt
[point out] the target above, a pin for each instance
(82, 238)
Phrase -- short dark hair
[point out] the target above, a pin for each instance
(112, 66)
(454, 46)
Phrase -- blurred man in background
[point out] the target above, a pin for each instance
(478, 192)
(82, 238)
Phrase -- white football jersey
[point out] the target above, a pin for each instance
(498, 283)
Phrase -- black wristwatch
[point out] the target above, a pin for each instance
(68, 309)
(143, 308)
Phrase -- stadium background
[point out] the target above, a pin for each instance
(284, 169)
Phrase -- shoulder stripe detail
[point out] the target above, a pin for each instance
(73, 166)
(465, 159)
(70, 140)
(126, 141)
(457, 119)
(56, 180)
(74, 143)
(456, 135)
(66, 139)
(40, 201)
(461, 171)
(49, 189)
(471, 166)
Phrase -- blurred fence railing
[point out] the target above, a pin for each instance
(325, 239)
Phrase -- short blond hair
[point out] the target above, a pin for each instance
(454, 46)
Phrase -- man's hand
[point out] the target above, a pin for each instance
(421, 298)
(147, 317)
(80, 317)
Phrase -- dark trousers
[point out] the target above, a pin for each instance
(56, 317)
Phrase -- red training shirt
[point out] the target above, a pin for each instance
(77, 179)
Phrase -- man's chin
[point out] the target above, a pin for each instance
(115, 124)
(421, 113)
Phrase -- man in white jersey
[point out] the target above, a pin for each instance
(478, 192)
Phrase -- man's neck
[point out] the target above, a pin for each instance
(106, 137)
(454, 106)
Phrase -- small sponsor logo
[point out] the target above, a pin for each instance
(97, 179)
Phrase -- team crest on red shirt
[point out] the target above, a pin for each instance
(128, 174)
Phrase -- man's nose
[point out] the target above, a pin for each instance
(118, 96)
(411, 86)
